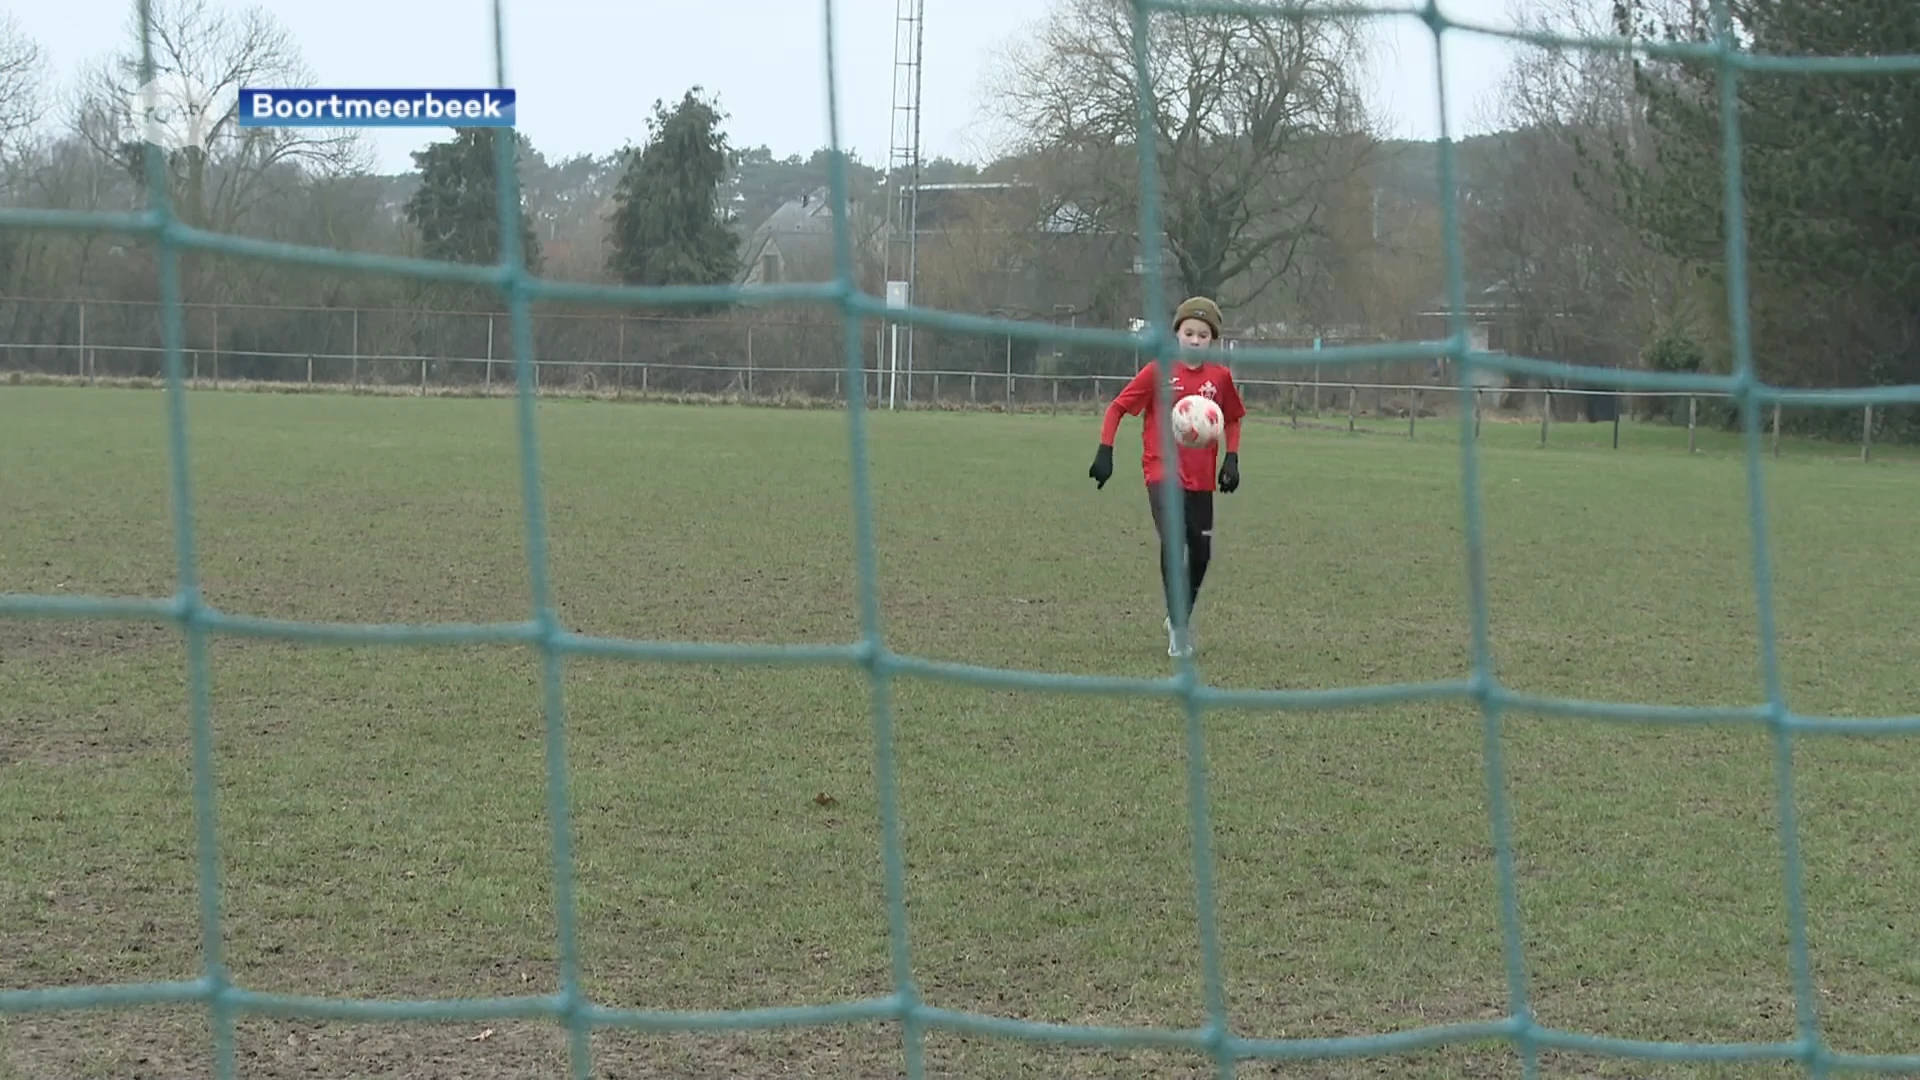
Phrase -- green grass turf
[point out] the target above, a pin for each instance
(382, 809)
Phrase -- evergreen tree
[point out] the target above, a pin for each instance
(1830, 165)
(456, 207)
(668, 225)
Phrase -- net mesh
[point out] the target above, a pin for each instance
(542, 631)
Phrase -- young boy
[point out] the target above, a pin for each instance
(1196, 323)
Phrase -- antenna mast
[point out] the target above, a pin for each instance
(903, 178)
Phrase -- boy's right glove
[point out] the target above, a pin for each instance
(1102, 470)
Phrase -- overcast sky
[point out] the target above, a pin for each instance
(588, 71)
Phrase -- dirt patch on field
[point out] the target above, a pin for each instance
(39, 740)
(66, 640)
(94, 928)
(63, 708)
(171, 1043)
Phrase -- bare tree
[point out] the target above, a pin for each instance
(1255, 120)
(223, 185)
(1382, 261)
(1582, 284)
(22, 78)
(22, 85)
(41, 167)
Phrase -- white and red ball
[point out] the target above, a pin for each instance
(1197, 421)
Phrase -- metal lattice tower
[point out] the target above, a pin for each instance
(903, 172)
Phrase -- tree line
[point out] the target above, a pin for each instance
(1590, 216)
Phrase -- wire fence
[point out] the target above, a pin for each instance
(1310, 400)
(743, 350)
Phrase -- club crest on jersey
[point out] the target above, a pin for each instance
(1206, 389)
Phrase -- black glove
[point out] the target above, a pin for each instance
(1230, 473)
(1102, 470)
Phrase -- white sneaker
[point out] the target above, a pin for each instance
(1178, 643)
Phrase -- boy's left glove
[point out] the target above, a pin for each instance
(1230, 473)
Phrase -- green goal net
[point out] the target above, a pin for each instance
(541, 630)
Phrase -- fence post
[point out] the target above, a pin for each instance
(1693, 414)
(619, 355)
(216, 348)
(1776, 429)
(1316, 382)
(1866, 436)
(309, 369)
(1009, 372)
(749, 359)
(1056, 397)
(356, 348)
(1353, 400)
(1546, 413)
(423, 376)
(489, 353)
(1293, 405)
(1413, 413)
(1476, 414)
(1616, 424)
(80, 365)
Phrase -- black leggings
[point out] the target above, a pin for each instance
(1198, 508)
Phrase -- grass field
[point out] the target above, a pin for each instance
(382, 810)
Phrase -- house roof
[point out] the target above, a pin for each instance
(801, 230)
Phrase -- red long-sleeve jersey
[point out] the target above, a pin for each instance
(1199, 466)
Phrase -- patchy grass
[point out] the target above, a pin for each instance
(382, 810)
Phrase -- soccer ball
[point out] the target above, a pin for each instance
(1196, 421)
